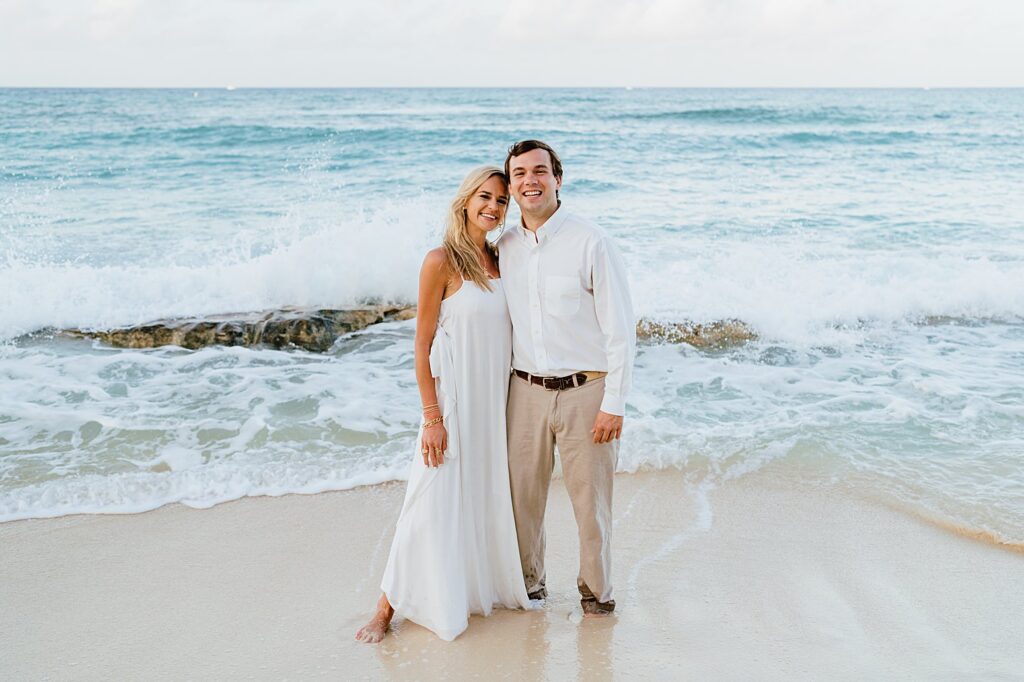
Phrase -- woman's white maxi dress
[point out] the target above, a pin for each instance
(455, 550)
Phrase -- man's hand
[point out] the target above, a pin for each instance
(607, 427)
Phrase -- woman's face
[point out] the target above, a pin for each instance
(485, 209)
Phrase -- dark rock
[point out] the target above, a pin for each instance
(719, 334)
(310, 329)
(317, 329)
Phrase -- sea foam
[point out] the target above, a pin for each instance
(785, 289)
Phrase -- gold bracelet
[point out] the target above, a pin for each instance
(427, 407)
(437, 420)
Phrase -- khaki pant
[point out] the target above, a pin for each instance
(539, 420)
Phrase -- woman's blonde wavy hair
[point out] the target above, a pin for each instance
(460, 249)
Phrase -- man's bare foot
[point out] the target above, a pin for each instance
(374, 631)
(595, 609)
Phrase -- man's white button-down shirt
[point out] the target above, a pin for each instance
(570, 304)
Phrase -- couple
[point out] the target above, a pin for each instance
(559, 314)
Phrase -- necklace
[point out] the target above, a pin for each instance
(487, 262)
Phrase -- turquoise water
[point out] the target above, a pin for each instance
(874, 239)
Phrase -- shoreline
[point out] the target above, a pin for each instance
(768, 576)
(985, 537)
(980, 535)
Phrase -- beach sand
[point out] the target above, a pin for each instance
(770, 576)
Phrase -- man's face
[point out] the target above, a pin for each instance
(533, 184)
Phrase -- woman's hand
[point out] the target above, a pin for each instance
(434, 276)
(434, 444)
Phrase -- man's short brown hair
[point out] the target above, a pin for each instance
(528, 146)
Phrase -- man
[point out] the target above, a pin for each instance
(573, 343)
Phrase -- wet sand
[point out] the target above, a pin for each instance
(767, 577)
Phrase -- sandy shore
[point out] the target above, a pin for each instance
(766, 577)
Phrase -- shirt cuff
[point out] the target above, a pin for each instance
(613, 404)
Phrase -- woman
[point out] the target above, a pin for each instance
(455, 550)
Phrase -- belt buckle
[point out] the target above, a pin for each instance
(564, 383)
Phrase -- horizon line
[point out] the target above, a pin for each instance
(231, 87)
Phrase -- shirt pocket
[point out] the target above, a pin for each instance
(562, 294)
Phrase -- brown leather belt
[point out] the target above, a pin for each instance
(559, 383)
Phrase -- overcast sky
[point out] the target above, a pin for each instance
(298, 43)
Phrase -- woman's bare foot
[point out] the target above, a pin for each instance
(374, 631)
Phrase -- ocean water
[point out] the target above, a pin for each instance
(874, 240)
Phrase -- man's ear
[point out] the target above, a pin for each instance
(558, 183)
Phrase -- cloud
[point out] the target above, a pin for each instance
(522, 42)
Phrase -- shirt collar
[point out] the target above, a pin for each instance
(550, 227)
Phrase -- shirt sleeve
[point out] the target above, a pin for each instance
(614, 308)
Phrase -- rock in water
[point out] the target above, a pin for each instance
(310, 329)
(317, 329)
(719, 334)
